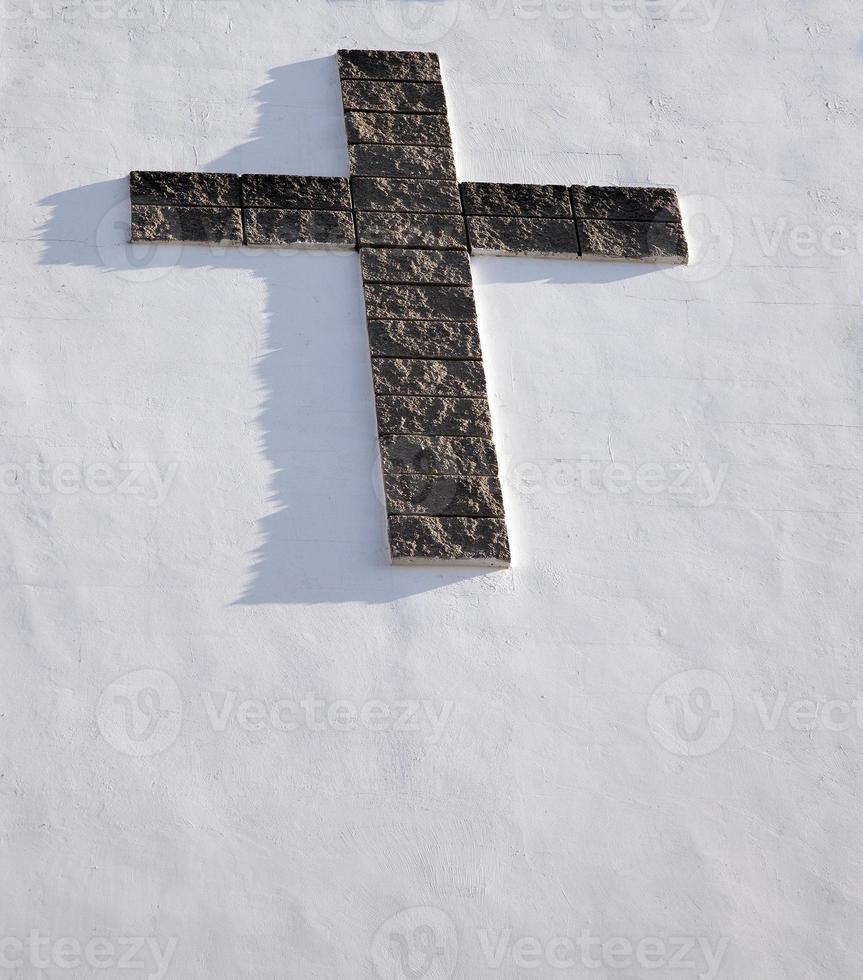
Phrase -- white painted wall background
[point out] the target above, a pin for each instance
(547, 807)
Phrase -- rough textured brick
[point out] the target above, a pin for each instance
(296, 193)
(423, 338)
(419, 302)
(626, 203)
(523, 236)
(320, 229)
(439, 496)
(525, 200)
(413, 376)
(469, 540)
(166, 223)
(393, 96)
(458, 455)
(422, 66)
(397, 127)
(389, 229)
(402, 161)
(646, 241)
(405, 194)
(415, 265)
(434, 416)
(183, 189)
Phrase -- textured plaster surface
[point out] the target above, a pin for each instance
(231, 388)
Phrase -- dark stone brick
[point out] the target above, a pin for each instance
(402, 161)
(413, 376)
(460, 456)
(626, 203)
(290, 229)
(444, 496)
(419, 66)
(523, 236)
(647, 241)
(520, 200)
(426, 267)
(397, 127)
(165, 223)
(419, 302)
(393, 96)
(392, 230)
(470, 540)
(423, 338)
(434, 416)
(405, 194)
(296, 193)
(184, 189)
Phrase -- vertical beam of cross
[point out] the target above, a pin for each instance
(441, 482)
(414, 226)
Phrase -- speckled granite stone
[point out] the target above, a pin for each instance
(296, 193)
(401, 161)
(166, 223)
(468, 540)
(184, 189)
(289, 229)
(427, 267)
(644, 241)
(419, 302)
(424, 338)
(422, 66)
(458, 455)
(444, 496)
(521, 200)
(397, 127)
(387, 229)
(371, 96)
(523, 236)
(413, 376)
(626, 203)
(405, 194)
(435, 416)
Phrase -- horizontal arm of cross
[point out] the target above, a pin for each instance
(414, 225)
(633, 224)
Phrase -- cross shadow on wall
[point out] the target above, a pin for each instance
(324, 537)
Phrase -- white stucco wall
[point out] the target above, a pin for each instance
(682, 453)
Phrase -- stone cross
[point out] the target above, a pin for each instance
(414, 225)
